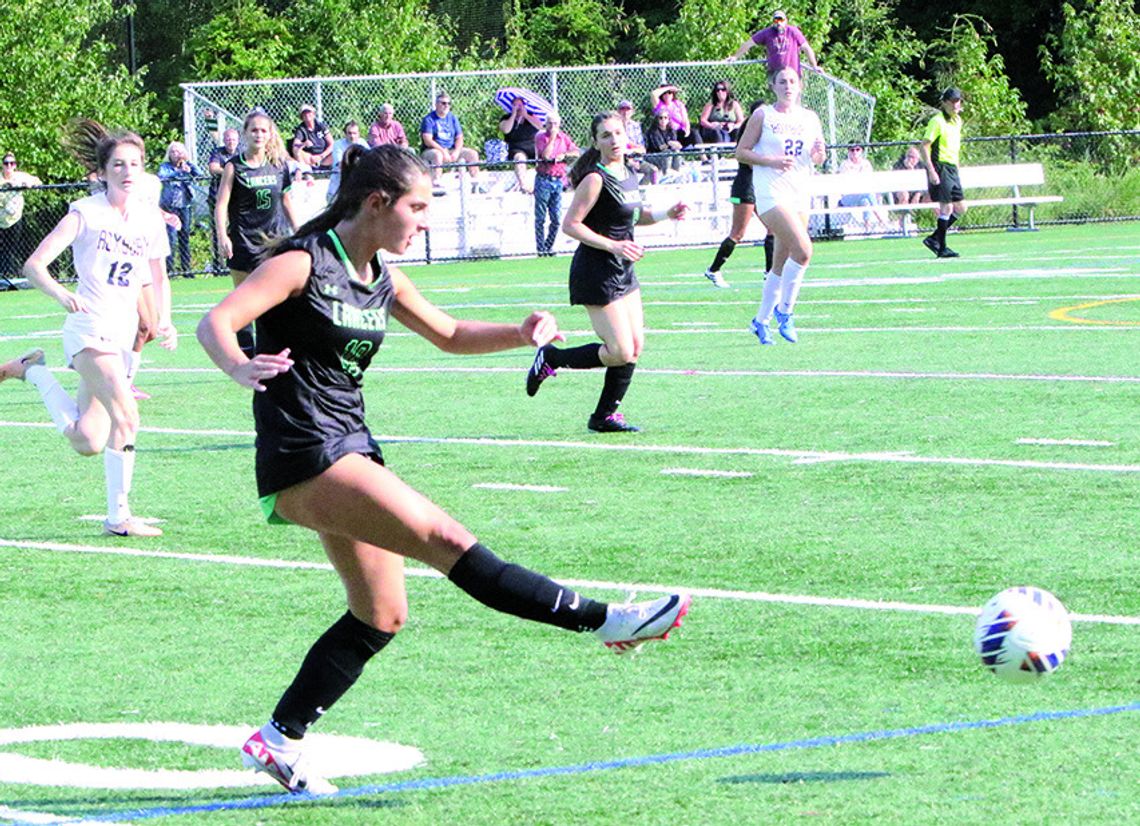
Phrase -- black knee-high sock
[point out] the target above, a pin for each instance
(515, 590)
(769, 251)
(245, 341)
(940, 230)
(584, 357)
(332, 665)
(613, 388)
(722, 254)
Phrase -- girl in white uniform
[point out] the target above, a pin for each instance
(119, 245)
(782, 142)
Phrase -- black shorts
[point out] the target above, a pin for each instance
(598, 278)
(742, 192)
(949, 188)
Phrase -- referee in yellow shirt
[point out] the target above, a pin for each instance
(939, 149)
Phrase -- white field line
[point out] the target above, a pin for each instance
(1067, 442)
(415, 571)
(650, 371)
(802, 456)
(696, 471)
(511, 486)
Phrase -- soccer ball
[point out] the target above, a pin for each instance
(1023, 634)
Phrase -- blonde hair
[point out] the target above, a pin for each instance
(275, 152)
(180, 146)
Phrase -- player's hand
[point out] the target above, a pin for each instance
(783, 163)
(226, 247)
(933, 178)
(627, 250)
(678, 211)
(261, 368)
(539, 329)
(167, 336)
(71, 302)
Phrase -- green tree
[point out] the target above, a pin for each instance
(870, 50)
(57, 69)
(365, 37)
(566, 33)
(966, 56)
(243, 41)
(1094, 66)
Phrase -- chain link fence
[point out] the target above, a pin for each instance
(1098, 174)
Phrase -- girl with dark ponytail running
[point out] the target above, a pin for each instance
(606, 206)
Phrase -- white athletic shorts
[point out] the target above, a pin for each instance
(83, 331)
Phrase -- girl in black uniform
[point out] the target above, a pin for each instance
(253, 205)
(606, 205)
(743, 208)
(322, 303)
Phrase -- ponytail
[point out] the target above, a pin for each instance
(585, 163)
(91, 143)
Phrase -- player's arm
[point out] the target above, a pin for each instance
(454, 335)
(222, 211)
(273, 282)
(49, 249)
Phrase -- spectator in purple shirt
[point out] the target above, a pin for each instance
(784, 43)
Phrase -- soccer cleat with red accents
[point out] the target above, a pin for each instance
(287, 766)
(631, 625)
(18, 368)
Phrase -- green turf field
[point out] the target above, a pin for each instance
(944, 429)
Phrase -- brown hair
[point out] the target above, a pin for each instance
(386, 169)
(92, 143)
(589, 159)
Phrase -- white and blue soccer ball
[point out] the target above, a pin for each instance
(1023, 634)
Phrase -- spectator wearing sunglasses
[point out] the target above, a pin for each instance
(12, 250)
(722, 116)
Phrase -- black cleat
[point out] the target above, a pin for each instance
(946, 252)
(613, 423)
(931, 243)
(539, 372)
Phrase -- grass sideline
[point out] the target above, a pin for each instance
(887, 461)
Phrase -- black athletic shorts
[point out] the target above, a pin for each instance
(598, 278)
(949, 188)
(742, 192)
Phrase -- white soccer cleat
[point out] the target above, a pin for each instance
(633, 624)
(716, 279)
(130, 527)
(287, 767)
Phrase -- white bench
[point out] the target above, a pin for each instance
(833, 187)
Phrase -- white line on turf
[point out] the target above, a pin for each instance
(807, 456)
(415, 571)
(509, 486)
(733, 374)
(1067, 442)
(696, 471)
(20, 816)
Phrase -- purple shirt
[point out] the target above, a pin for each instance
(783, 49)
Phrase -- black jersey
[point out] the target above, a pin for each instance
(598, 277)
(255, 208)
(313, 414)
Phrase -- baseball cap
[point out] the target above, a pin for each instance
(952, 93)
(625, 104)
(778, 14)
(308, 107)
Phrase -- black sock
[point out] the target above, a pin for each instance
(769, 251)
(332, 665)
(940, 230)
(950, 221)
(722, 254)
(245, 341)
(613, 389)
(515, 590)
(584, 357)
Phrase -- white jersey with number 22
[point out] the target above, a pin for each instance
(791, 133)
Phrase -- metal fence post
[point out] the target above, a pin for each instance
(1016, 190)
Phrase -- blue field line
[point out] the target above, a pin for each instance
(266, 801)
